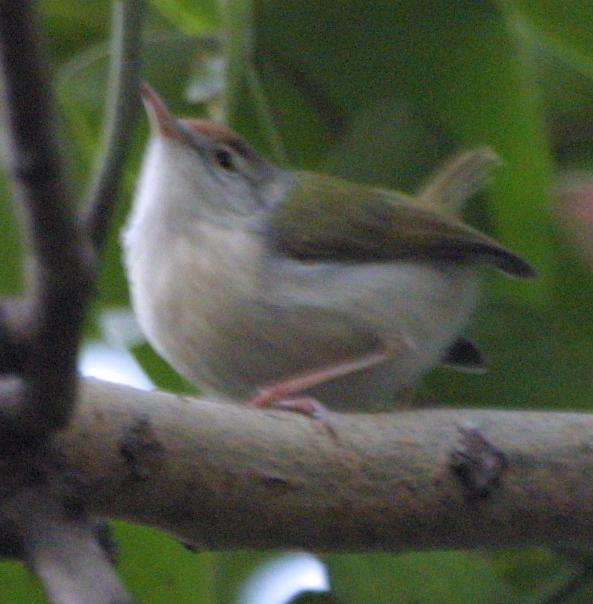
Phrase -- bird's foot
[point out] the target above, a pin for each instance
(280, 395)
(267, 398)
(305, 405)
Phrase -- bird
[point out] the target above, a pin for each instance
(295, 290)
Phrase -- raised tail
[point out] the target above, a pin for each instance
(460, 178)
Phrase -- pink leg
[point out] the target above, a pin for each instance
(279, 394)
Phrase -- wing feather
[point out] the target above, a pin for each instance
(326, 218)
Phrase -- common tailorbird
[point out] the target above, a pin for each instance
(277, 287)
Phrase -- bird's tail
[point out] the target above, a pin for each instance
(460, 178)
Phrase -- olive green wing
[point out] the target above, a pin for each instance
(329, 219)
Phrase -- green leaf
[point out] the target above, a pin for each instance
(19, 586)
(72, 27)
(233, 569)
(565, 28)
(159, 371)
(417, 578)
(188, 15)
(154, 567)
(535, 359)
(530, 570)
(11, 237)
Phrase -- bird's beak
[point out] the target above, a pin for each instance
(162, 122)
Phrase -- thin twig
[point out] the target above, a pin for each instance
(69, 560)
(120, 116)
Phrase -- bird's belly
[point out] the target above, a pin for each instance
(232, 334)
(201, 317)
(413, 311)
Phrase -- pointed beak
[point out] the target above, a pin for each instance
(162, 122)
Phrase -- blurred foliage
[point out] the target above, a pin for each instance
(378, 92)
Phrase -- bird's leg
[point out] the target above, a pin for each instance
(278, 395)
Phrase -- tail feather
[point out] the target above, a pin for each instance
(488, 251)
(460, 178)
(506, 261)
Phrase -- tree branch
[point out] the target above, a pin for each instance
(61, 266)
(39, 334)
(120, 116)
(67, 558)
(224, 476)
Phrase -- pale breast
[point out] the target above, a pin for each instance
(194, 295)
(231, 322)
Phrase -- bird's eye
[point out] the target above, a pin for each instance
(224, 159)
